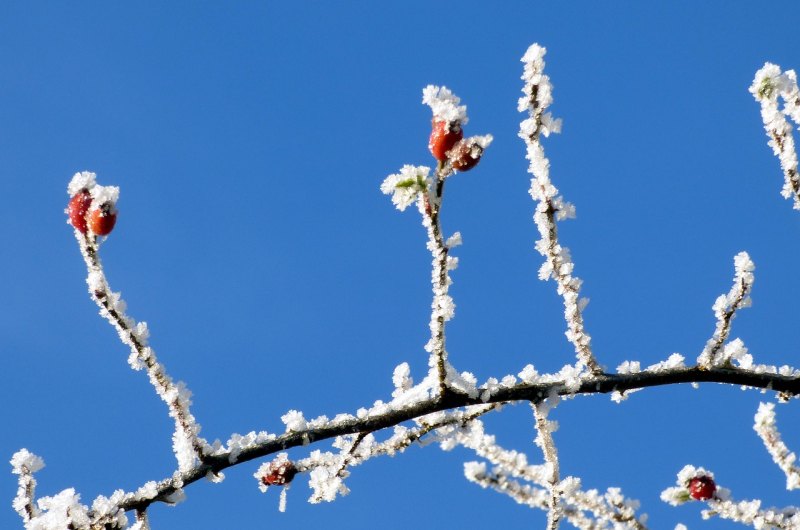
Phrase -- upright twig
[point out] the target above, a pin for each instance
(550, 206)
(725, 308)
(544, 440)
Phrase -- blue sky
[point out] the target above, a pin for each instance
(250, 140)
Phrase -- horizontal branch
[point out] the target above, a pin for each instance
(599, 384)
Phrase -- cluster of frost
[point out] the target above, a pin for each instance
(550, 205)
(768, 84)
(444, 104)
(405, 187)
(716, 352)
(64, 509)
(767, 430)
(238, 443)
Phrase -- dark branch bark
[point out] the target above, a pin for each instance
(601, 384)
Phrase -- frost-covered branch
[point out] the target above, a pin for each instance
(188, 447)
(544, 439)
(725, 308)
(769, 84)
(550, 206)
(767, 429)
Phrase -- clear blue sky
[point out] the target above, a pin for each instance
(250, 140)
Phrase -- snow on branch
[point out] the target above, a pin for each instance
(725, 308)
(767, 429)
(550, 206)
(769, 84)
(188, 447)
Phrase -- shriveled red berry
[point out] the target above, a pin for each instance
(77, 208)
(444, 136)
(465, 155)
(281, 472)
(702, 488)
(103, 219)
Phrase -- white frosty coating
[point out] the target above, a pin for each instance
(454, 240)
(767, 430)
(24, 461)
(768, 84)
(239, 443)
(85, 180)
(401, 378)
(104, 195)
(187, 445)
(294, 421)
(25, 464)
(725, 308)
(405, 187)
(680, 526)
(444, 104)
(550, 206)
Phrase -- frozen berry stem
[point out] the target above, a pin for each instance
(187, 446)
(440, 280)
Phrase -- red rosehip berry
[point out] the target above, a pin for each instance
(702, 488)
(281, 472)
(78, 208)
(103, 219)
(465, 155)
(444, 136)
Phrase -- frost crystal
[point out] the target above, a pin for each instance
(444, 104)
(24, 461)
(85, 180)
(294, 421)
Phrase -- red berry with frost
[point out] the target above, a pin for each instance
(465, 155)
(281, 472)
(103, 219)
(443, 137)
(702, 488)
(78, 208)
